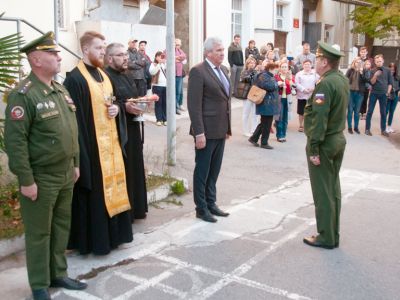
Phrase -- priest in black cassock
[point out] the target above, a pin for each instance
(100, 205)
(124, 86)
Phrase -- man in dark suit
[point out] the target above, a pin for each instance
(209, 106)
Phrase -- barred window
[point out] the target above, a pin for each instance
(236, 25)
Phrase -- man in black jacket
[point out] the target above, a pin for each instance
(235, 58)
(137, 65)
(381, 81)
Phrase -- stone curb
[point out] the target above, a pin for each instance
(10, 246)
(17, 244)
(163, 191)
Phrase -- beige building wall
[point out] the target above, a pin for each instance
(41, 14)
(196, 32)
(336, 27)
(218, 18)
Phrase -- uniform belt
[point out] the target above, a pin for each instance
(56, 168)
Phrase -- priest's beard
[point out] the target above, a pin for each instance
(96, 62)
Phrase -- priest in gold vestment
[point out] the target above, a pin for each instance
(100, 205)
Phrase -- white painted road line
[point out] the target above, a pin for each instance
(147, 283)
(227, 233)
(236, 274)
(76, 295)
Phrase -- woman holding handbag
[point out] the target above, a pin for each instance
(269, 105)
(249, 108)
(285, 81)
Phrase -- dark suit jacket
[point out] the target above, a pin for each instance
(208, 104)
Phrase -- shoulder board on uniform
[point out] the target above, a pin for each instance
(57, 82)
(59, 86)
(24, 86)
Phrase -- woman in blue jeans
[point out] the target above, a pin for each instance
(269, 107)
(393, 98)
(159, 81)
(285, 81)
(357, 80)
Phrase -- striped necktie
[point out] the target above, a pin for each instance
(223, 79)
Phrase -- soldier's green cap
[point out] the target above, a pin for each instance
(328, 51)
(44, 43)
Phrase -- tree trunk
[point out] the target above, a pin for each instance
(369, 43)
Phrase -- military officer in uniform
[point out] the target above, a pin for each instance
(41, 139)
(324, 122)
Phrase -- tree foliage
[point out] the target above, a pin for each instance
(377, 20)
(9, 70)
(9, 60)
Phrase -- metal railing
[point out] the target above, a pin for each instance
(19, 21)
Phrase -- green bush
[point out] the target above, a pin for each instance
(10, 218)
(178, 188)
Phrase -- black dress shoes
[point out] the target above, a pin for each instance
(254, 143)
(41, 294)
(68, 283)
(206, 216)
(266, 146)
(216, 211)
(312, 241)
(356, 130)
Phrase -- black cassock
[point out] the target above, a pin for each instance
(125, 88)
(92, 230)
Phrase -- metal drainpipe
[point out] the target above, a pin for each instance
(56, 77)
(56, 20)
(204, 20)
(19, 34)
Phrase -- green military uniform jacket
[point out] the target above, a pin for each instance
(41, 134)
(325, 111)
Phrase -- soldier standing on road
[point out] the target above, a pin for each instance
(324, 122)
(41, 138)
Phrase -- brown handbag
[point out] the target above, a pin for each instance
(256, 94)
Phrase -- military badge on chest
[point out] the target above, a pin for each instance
(46, 109)
(319, 99)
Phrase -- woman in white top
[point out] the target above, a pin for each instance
(159, 87)
(305, 82)
(249, 108)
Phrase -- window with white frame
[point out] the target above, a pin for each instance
(279, 16)
(236, 26)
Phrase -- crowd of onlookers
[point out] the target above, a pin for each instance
(151, 75)
(290, 80)
(287, 79)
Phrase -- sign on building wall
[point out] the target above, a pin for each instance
(296, 23)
